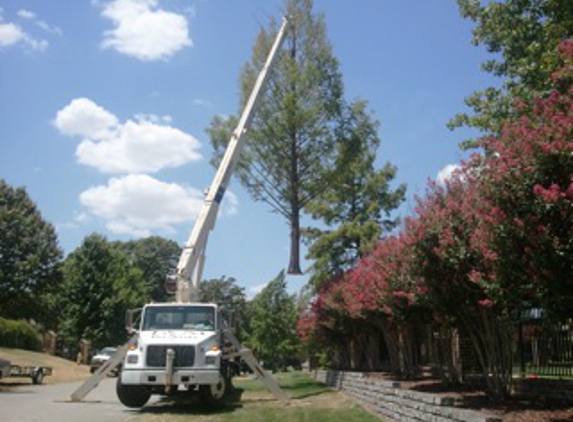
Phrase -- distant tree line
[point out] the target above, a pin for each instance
(86, 294)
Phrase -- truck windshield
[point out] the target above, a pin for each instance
(200, 318)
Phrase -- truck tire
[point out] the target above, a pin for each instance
(214, 395)
(133, 396)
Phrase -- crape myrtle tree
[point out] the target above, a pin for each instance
(290, 151)
(457, 269)
(494, 241)
(524, 35)
(100, 285)
(519, 221)
(356, 206)
(30, 259)
(529, 185)
(378, 296)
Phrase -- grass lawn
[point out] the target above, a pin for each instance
(309, 401)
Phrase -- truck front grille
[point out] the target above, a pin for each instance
(156, 355)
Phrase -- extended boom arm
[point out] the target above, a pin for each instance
(190, 266)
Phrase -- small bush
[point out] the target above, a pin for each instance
(19, 335)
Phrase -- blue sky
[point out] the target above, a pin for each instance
(104, 106)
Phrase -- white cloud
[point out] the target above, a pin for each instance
(153, 118)
(446, 173)
(31, 16)
(12, 34)
(144, 31)
(139, 205)
(82, 117)
(140, 146)
(26, 14)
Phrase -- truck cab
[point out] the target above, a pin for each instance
(178, 347)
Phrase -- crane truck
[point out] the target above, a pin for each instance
(185, 345)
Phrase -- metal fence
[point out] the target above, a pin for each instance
(544, 350)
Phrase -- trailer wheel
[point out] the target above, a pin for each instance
(37, 376)
(133, 396)
(214, 395)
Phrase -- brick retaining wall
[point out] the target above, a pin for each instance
(387, 399)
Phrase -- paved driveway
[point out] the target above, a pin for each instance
(36, 403)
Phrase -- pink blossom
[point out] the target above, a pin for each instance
(486, 303)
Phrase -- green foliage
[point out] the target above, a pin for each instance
(99, 286)
(18, 335)
(524, 35)
(291, 144)
(273, 325)
(30, 258)
(155, 257)
(357, 204)
(231, 301)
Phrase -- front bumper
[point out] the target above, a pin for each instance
(178, 377)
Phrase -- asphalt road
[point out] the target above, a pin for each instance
(35, 403)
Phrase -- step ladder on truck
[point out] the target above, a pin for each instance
(185, 345)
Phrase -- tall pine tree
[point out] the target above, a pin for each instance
(290, 151)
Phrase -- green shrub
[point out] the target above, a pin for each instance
(19, 335)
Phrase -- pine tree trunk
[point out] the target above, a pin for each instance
(294, 263)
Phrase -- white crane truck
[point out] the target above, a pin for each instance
(184, 345)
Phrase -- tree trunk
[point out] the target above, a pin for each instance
(294, 263)
(491, 337)
(392, 344)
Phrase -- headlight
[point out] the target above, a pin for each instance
(210, 360)
(132, 359)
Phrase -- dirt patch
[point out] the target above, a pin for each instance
(470, 397)
(62, 370)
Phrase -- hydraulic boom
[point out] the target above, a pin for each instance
(190, 267)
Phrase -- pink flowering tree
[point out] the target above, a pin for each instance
(456, 271)
(529, 188)
(376, 300)
(494, 241)
(497, 238)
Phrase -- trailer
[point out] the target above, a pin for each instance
(35, 373)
